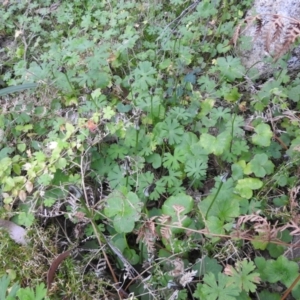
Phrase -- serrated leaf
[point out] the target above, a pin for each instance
(220, 288)
(243, 276)
(4, 288)
(281, 270)
(172, 130)
(40, 292)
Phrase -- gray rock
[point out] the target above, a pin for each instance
(257, 56)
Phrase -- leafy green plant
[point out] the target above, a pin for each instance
(6, 293)
(221, 288)
(143, 135)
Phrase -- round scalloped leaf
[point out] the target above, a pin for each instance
(179, 200)
(177, 207)
(263, 135)
(245, 186)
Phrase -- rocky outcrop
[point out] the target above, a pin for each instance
(273, 30)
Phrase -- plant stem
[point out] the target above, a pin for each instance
(213, 201)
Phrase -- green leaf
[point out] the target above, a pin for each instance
(144, 75)
(215, 145)
(126, 210)
(170, 162)
(225, 206)
(108, 113)
(233, 95)
(215, 225)
(294, 93)
(195, 168)
(155, 160)
(172, 130)
(206, 107)
(4, 286)
(237, 171)
(260, 166)
(230, 67)
(261, 264)
(259, 242)
(263, 135)
(266, 295)
(26, 294)
(282, 270)
(246, 186)
(17, 88)
(206, 265)
(26, 219)
(61, 163)
(117, 151)
(171, 205)
(277, 250)
(17, 169)
(116, 177)
(220, 288)
(243, 277)
(21, 147)
(165, 64)
(182, 199)
(40, 292)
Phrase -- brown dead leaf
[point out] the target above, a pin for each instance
(55, 264)
(22, 195)
(29, 186)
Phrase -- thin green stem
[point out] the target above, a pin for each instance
(213, 201)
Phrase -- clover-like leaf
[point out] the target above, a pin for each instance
(260, 166)
(263, 135)
(246, 186)
(125, 210)
(215, 145)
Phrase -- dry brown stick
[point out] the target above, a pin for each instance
(290, 288)
(55, 264)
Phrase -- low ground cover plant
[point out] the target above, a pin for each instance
(140, 157)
